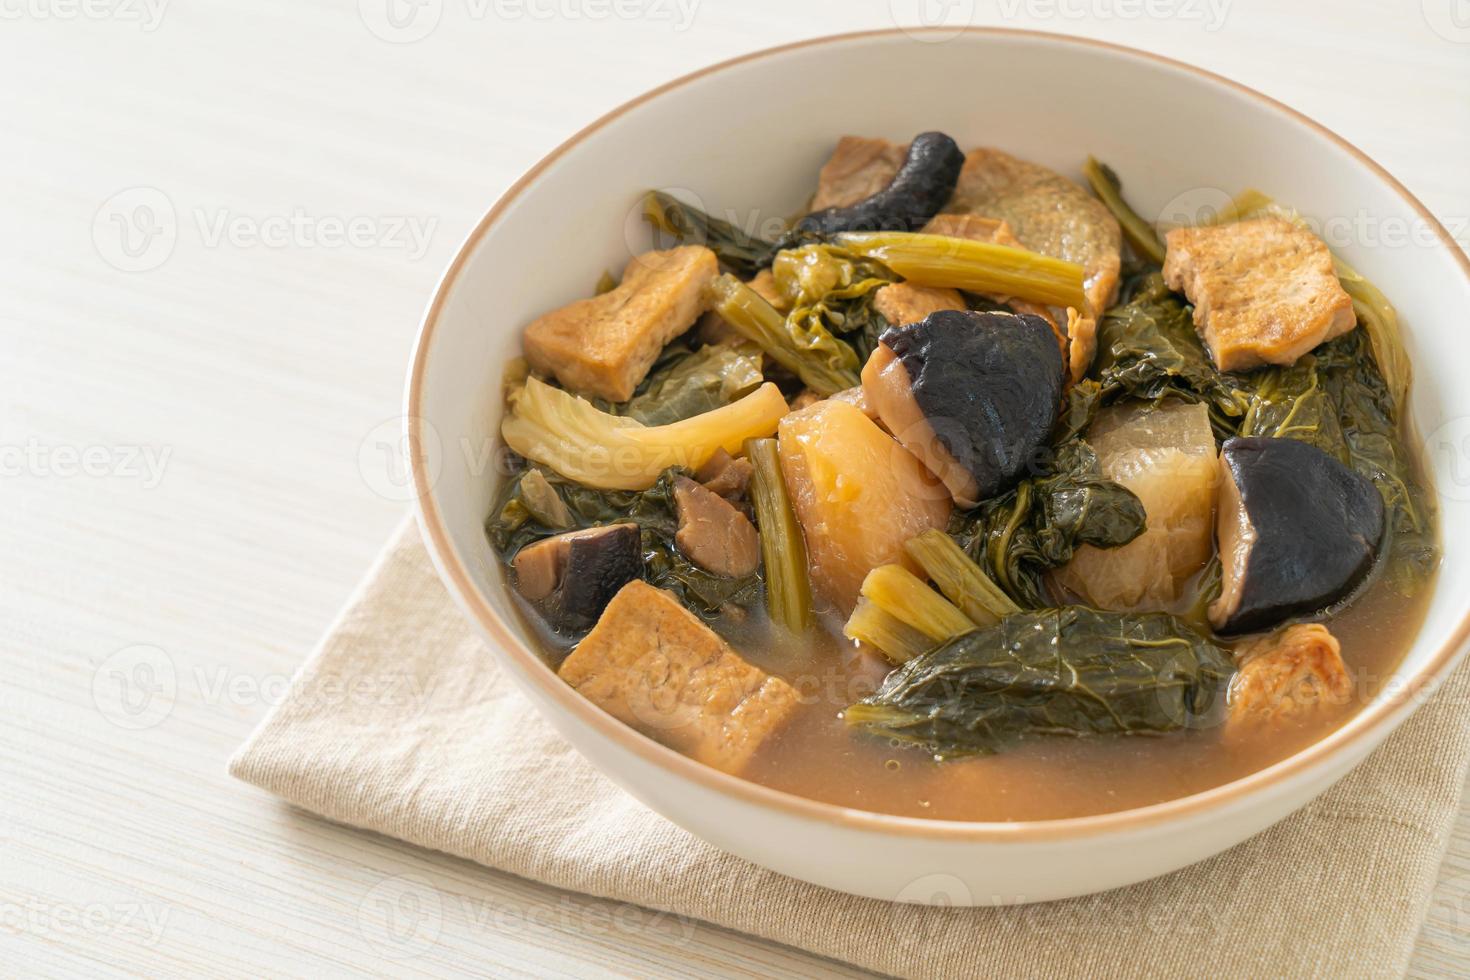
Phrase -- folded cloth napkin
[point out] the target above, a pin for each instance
(403, 723)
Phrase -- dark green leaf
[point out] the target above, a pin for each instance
(743, 253)
(1072, 671)
(1038, 525)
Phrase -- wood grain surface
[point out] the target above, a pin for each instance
(220, 222)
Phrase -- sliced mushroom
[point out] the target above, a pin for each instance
(571, 577)
(912, 197)
(972, 394)
(726, 475)
(1296, 529)
(712, 533)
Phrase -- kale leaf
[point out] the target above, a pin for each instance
(1071, 671)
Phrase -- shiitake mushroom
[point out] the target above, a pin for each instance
(973, 394)
(915, 194)
(1297, 531)
(570, 578)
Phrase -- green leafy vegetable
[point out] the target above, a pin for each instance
(512, 526)
(830, 288)
(1072, 671)
(808, 350)
(1147, 348)
(685, 383)
(1109, 189)
(745, 254)
(783, 550)
(1039, 524)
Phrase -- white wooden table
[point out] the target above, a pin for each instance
(219, 223)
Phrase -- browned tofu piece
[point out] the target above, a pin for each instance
(713, 329)
(859, 167)
(1048, 214)
(712, 533)
(651, 663)
(1264, 290)
(1288, 677)
(604, 345)
(903, 302)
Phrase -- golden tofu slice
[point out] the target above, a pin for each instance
(1288, 677)
(1264, 290)
(605, 345)
(903, 302)
(977, 227)
(651, 663)
(1166, 456)
(859, 167)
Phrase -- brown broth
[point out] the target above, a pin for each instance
(817, 756)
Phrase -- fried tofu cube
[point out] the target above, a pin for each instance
(605, 345)
(1264, 290)
(1288, 677)
(651, 663)
(903, 302)
(859, 167)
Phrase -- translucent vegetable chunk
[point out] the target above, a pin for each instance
(1166, 456)
(858, 494)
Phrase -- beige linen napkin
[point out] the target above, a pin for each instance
(403, 723)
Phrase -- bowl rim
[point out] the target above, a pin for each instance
(1376, 719)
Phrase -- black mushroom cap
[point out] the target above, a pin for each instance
(915, 194)
(570, 578)
(1297, 531)
(988, 383)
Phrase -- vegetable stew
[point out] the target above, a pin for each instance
(973, 495)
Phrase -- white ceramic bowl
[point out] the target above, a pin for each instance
(747, 137)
